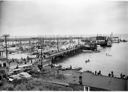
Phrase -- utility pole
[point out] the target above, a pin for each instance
(41, 51)
(6, 47)
(70, 41)
(78, 41)
(58, 44)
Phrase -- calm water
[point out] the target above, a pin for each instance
(117, 61)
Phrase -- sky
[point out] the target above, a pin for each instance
(63, 17)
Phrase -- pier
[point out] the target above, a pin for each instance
(97, 82)
(104, 82)
(68, 52)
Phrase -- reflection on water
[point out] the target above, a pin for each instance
(116, 60)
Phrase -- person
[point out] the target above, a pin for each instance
(112, 73)
(31, 61)
(51, 65)
(121, 75)
(21, 58)
(99, 73)
(70, 67)
(126, 77)
(80, 79)
(25, 62)
(4, 64)
(40, 67)
(95, 72)
(17, 66)
(0, 65)
(109, 75)
(57, 71)
(27, 59)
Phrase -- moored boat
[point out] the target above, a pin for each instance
(68, 68)
(87, 61)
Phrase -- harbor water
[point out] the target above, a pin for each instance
(110, 59)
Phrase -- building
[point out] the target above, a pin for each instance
(115, 40)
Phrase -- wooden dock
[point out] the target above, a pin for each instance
(96, 81)
(104, 82)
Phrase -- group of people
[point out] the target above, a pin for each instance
(122, 76)
(108, 54)
(111, 74)
(86, 61)
(98, 73)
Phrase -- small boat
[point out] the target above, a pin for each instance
(58, 66)
(87, 51)
(108, 54)
(87, 61)
(77, 69)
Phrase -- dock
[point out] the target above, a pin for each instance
(104, 82)
(96, 81)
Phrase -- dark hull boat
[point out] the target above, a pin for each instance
(87, 61)
(77, 69)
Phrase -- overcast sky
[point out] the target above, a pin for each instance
(63, 17)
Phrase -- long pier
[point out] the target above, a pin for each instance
(65, 51)
(71, 51)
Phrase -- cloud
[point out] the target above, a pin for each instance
(59, 17)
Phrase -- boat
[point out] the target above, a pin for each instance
(108, 54)
(90, 46)
(68, 68)
(78, 68)
(87, 51)
(19, 76)
(87, 61)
